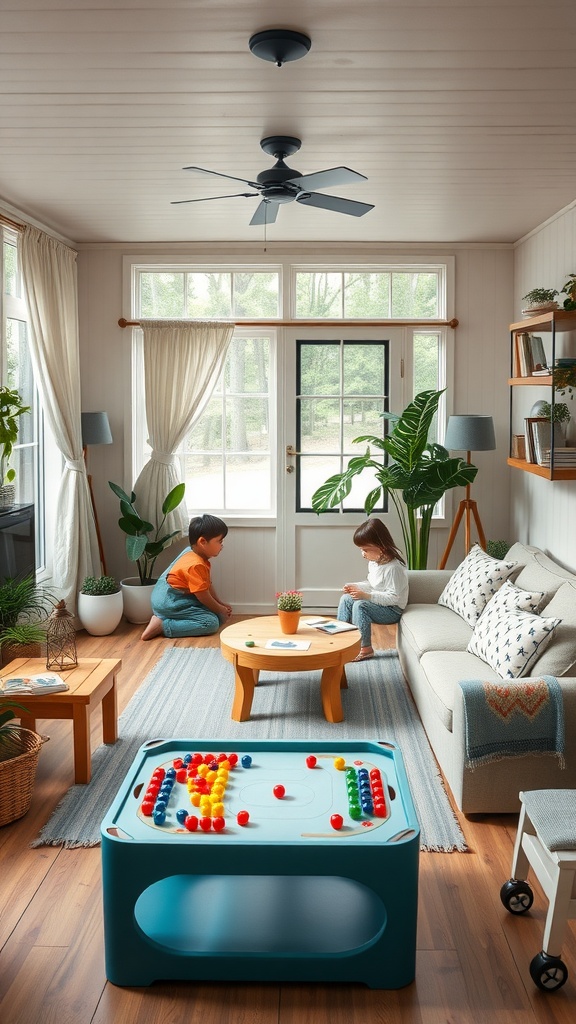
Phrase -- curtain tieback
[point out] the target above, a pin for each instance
(166, 458)
(76, 465)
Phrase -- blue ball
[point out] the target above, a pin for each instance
(246, 761)
(187, 758)
(181, 815)
(159, 817)
(171, 773)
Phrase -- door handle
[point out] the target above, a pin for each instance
(291, 451)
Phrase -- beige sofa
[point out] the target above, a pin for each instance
(432, 643)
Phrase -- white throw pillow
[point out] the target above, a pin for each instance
(509, 642)
(511, 598)
(473, 583)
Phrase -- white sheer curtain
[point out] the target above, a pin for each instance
(50, 288)
(182, 364)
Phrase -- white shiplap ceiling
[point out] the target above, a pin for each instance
(461, 114)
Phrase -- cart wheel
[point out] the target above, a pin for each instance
(516, 896)
(548, 972)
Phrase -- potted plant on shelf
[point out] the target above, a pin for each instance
(539, 300)
(144, 542)
(100, 605)
(24, 609)
(19, 753)
(289, 605)
(418, 475)
(569, 290)
(11, 408)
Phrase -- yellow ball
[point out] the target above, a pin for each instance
(218, 810)
(195, 799)
(339, 763)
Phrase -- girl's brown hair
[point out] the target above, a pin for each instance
(374, 532)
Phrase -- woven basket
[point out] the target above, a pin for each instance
(10, 652)
(18, 773)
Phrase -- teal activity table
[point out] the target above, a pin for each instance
(262, 861)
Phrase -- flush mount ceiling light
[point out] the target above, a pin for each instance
(279, 45)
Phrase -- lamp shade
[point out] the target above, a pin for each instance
(470, 434)
(95, 428)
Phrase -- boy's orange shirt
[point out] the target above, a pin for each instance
(191, 572)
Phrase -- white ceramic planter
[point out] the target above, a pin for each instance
(137, 599)
(100, 613)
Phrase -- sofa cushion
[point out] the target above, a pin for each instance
(559, 658)
(444, 670)
(510, 641)
(541, 573)
(473, 583)
(430, 627)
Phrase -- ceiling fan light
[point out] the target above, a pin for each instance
(279, 45)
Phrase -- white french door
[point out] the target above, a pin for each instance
(335, 384)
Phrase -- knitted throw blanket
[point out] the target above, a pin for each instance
(512, 718)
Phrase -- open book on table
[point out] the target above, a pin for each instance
(32, 686)
(335, 626)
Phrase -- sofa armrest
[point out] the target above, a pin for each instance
(426, 585)
(568, 686)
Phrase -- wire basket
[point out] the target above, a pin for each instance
(17, 774)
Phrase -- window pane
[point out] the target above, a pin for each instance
(162, 295)
(364, 369)
(313, 472)
(248, 483)
(361, 417)
(247, 365)
(11, 279)
(209, 295)
(367, 295)
(204, 481)
(318, 295)
(256, 295)
(206, 434)
(414, 296)
(426, 369)
(246, 425)
(319, 369)
(361, 487)
(19, 374)
(319, 424)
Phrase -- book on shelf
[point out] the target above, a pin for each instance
(529, 356)
(538, 356)
(32, 686)
(518, 448)
(529, 424)
(541, 430)
(564, 458)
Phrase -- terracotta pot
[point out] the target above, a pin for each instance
(289, 621)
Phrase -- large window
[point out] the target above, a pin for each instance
(229, 459)
(16, 372)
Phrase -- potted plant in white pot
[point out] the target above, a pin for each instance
(144, 542)
(539, 300)
(100, 605)
(11, 407)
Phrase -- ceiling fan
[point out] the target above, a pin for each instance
(282, 184)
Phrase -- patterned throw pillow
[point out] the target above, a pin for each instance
(510, 641)
(473, 583)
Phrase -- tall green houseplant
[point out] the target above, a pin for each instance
(140, 547)
(417, 476)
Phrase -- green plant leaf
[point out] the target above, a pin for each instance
(135, 547)
(173, 499)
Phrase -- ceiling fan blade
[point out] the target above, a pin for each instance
(266, 213)
(335, 204)
(207, 199)
(331, 176)
(218, 174)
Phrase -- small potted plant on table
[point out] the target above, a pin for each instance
(289, 604)
(100, 605)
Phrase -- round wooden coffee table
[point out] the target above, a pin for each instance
(328, 652)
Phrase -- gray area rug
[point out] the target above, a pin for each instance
(188, 694)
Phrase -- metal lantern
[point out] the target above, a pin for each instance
(61, 639)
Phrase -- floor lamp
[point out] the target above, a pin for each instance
(95, 430)
(468, 434)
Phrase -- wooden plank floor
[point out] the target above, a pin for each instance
(472, 958)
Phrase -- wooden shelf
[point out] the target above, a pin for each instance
(531, 382)
(546, 474)
(558, 319)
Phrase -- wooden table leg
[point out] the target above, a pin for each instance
(245, 681)
(343, 679)
(110, 714)
(82, 754)
(330, 691)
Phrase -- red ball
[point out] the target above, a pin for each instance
(242, 817)
(147, 807)
(279, 792)
(218, 824)
(191, 823)
(233, 758)
(177, 762)
(311, 761)
(205, 824)
(337, 821)
(181, 775)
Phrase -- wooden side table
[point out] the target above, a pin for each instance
(91, 682)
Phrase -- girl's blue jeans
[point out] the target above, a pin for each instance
(364, 613)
